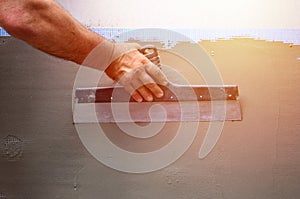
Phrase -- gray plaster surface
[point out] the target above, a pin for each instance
(41, 155)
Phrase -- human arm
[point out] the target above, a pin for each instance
(48, 27)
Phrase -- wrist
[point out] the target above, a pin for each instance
(104, 54)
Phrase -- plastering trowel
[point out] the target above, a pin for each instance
(111, 104)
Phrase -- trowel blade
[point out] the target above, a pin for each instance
(180, 103)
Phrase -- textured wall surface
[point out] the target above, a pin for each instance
(41, 155)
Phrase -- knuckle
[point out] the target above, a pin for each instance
(139, 70)
(151, 85)
(126, 79)
(157, 73)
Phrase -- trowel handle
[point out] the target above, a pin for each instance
(150, 51)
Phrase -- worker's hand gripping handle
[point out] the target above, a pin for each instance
(150, 51)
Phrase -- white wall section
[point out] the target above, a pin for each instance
(187, 13)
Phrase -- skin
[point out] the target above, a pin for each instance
(48, 27)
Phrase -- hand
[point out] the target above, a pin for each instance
(123, 63)
(139, 76)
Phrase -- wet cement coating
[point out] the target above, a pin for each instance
(42, 156)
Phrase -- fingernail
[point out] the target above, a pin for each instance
(138, 99)
(149, 98)
(160, 94)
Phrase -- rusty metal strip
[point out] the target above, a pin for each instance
(172, 93)
(157, 111)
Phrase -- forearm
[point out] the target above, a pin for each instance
(48, 27)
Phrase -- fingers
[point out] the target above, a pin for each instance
(125, 81)
(139, 76)
(157, 74)
(139, 81)
(149, 86)
(145, 93)
(136, 96)
(142, 84)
